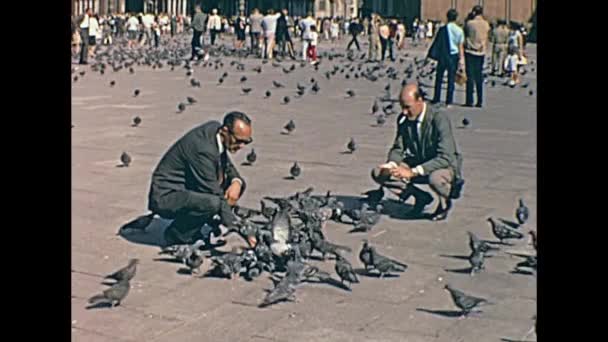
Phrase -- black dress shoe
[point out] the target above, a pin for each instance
(441, 213)
(421, 202)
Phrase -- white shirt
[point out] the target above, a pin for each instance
(220, 146)
(214, 22)
(314, 36)
(419, 170)
(132, 24)
(147, 20)
(85, 21)
(305, 25)
(94, 28)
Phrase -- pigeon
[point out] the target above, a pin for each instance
(125, 158)
(380, 119)
(502, 232)
(258, 69)
(465, 122)
(463, 301)
(383, 264)
(194, 261)
(112, 83)
(131, 70)
(225, 74)
(350, 93)
(345, 270)
(195, 83)
(251, 157)
(315, 88)
(182, 252)
(126, 273)
(300, 87)
(136, 121)
(525, 85)
(277, 84)
(312, 80)
(268, 93)
(375, 106)
(284, 291)
(75, 78)
(351, 146)
(531, 93)
(246, 90)
(522, 212)
(228, 264)
(181, 107)
(290, 127)
(476, 260)
(295, 170)
(478, 245)
(136, 93)
(82, 73)
(534, 240)
(286, 100)
(220, 81)
(368, 219)
(300, 92)
(191, 100)
(113, 295)
(243, 79)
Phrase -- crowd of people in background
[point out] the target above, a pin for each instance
(275, 33)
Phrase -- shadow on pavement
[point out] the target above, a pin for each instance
(152, 234)
(444, 313)
(459, 270)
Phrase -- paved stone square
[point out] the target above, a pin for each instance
(499, 151)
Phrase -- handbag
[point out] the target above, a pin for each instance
(461, 77)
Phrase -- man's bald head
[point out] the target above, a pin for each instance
(412, 102)
(236, 131)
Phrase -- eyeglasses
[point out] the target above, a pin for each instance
(241, 141)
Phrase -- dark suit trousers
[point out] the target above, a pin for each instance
(440, 182)
(354, 40)
(214, 33)
(451, 67)
(196, 43)
(190, 211)
(474, 65)
(84, 45)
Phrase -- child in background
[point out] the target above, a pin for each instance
(511, 66)
(311, 53)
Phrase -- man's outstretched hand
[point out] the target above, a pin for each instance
(401, 172)
(232, 193)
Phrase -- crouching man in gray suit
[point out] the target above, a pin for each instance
(424, 152)
(195, 179)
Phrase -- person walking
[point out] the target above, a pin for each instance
(373, 39)
(198, 29)
(500, 39)
(305, 25)
(269, 25)
(355, 29)
(384, 33)
(84, 36)
(476, 41)
(94, 34)
(239, 29)
(255, 30)
(132, 30)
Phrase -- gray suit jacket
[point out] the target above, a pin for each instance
(199, 22)
(437, 148)
(193, 163)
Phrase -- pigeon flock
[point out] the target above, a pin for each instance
(293, 225)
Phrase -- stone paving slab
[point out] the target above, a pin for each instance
(499, 150)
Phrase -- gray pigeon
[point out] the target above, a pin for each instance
(463, 301)
(125, 159)
(522, 212)
(326, 247)
(191, 100)
(251, 157)
(136, 121)
(478, 245)
(277, 84)
(384, 264)
(365, 255)
(295, 170)
(380, 119)
(136, 92)
(194, 261)
(125, 273)
(284, 291)
(375, 106)
(182, 252)
(290, 126)
(113, 295)
(369, 218)
(502, 232)
(352, 145)
(181, 107)
(476, 260)
(246, 91)
(350, 93)
(345, 270)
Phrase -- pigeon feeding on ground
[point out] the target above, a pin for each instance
(476, 260)
(191, 100)
(350, 93)
(125, 273)
(375, 107)
(136, 93)
(195, 83)
(246, 91)
(286, 100)
(502, 232)
(351, 146)
(326, 247)
(368, 219)
(522, 213)
(136, 121)
(268, 93)
(380, 119)
(251, 157)
(533, 235)
(112, 83)
(385, 265)
(220, 81)
(181, 107)
(284, 291)
(345, 270)
(464, 302)
(289, 127)
(277, 84)
(295, 170)
(465, 122)
(125, 159)
(182, 252)
(243, 79)
(114, 295)
(315, 88)
(194, 261)
(478, 245)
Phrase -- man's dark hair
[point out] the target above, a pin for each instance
(452, 15)
(501, 22)
(232, 117)
(477, 10)
(270, 11)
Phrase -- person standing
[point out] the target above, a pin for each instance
(305, 25)
(500, 39)
(448, 50)
(132, 29)
(269, 25)
(239, 29)
(281, 33)
(384, 33)
(173, 25)
(255, 29)
(84, 36)
(373, 38)
(312, 47)
(198, 28)
(476, 41)
(94, 33)
(325, 28)
(334, 30)
(214, 25)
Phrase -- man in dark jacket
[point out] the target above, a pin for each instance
(281, 33)
(198, 26)
(424, 152)
(354, 29)
(195, 180)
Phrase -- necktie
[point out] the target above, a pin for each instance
(412, 126)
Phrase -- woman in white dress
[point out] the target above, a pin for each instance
(94, 34)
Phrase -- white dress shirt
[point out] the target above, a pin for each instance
(418, 169)
(220, 146)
